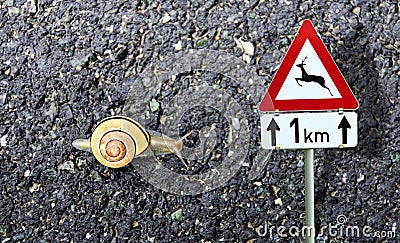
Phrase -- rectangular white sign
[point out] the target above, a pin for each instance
(309, 130)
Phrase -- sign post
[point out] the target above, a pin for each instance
(308, 105)
(309, 193)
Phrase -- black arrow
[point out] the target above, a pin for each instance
(273, 127)
(344, 124)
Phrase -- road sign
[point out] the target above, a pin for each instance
(309, 130)
(308, 78)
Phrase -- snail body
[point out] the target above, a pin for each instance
(161, 144)
(117, 140)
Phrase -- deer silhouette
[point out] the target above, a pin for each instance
(310, 78)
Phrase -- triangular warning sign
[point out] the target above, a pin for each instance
(308, 78)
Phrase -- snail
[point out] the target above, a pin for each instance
(117, 140)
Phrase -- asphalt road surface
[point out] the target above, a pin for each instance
(66, 65)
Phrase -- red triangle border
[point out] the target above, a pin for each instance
(348, 100)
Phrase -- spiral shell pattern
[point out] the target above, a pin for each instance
(117, 140)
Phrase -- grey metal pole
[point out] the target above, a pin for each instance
(309, 194)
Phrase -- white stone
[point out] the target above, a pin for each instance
(257, 183)
(154, 105)
(246, 46)
(3, 141)
(236, 123)
(27, 173)
(166, 18)
(278, 201)
(178, 46)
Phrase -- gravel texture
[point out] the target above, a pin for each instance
(65, 65)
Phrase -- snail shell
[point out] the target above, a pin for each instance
(117, 140)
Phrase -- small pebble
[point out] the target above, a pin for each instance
(360, 178)
(154, 105)
(278, 201)
(178, 46)
(236, 123)
(177, 215)
(246, 46)
(35, 187)
(27, 173)
(257, 183)
(356, 10)
(3, 140)
(68, 165)
(166, 18)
